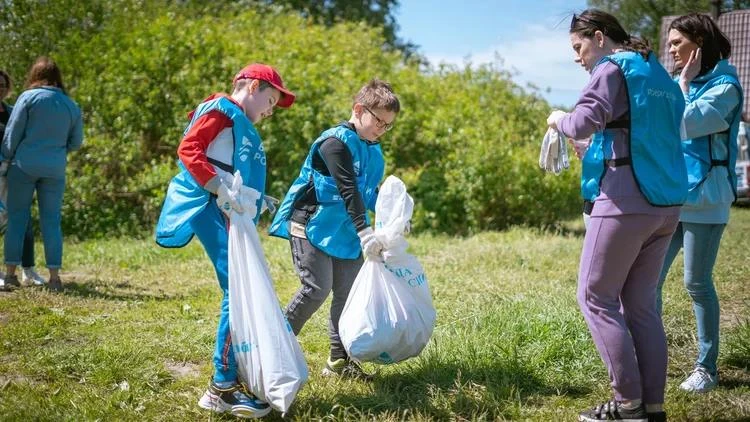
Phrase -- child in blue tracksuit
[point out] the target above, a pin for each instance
(219, 140)
(324, 215)
(713, 98)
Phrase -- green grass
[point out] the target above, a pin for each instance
(132, 336)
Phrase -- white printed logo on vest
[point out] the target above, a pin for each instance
(245, 148)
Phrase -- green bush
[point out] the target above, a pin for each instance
(466, 142)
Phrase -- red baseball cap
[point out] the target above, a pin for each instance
(270, 75)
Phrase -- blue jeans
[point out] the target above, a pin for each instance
(211, 228)
(701, 244)
(49, 192)
(27, 257)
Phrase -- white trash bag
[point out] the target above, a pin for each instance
(269, 358)
(388, 316)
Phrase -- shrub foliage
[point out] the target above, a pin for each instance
(466, 142)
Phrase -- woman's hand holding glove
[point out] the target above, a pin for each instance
(554, 118)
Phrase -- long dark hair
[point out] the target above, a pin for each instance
(703, 31)
(44, 72)
(6, 78)
(591, 20)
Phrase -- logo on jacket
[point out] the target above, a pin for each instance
(246, 149)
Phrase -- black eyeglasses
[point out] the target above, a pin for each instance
(380, 123)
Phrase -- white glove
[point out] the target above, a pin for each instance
(227, 200)
(4, 167)
(554, 118)
(248, 199)
(371, 246)
(553, 156)
(269, 203)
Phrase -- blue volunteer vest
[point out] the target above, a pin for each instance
(699, 153)
(655, 112)
(186, 198)
(330, 228)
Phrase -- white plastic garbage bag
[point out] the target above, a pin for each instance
(553, 156)
(388, 316)
(269, 358)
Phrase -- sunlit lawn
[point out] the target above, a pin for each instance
(132, 336)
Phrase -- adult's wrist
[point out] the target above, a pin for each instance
(684, 85)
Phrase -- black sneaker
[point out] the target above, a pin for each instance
(345, 368)
(55, 284)
(612, 411)
(657, 417)
(11, 282)
(235, 399)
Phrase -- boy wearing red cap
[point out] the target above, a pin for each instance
(220, 140)
(324, 215)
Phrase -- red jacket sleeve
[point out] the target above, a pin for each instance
(193, 147)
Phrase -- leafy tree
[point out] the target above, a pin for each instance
(643, 17)
(379, 13)
(465, 143)
(375, 13)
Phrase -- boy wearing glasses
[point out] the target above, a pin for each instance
(324, 215)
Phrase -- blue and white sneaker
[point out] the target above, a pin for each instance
(235, 399)
(700, 381)
(30, 277)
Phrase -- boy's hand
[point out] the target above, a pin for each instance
(371, 246)
(249, 200)
(226, 200)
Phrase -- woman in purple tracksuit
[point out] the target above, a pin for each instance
(632, 109)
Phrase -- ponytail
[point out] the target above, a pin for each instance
(638, 45)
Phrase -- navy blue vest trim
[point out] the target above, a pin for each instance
(623, 123)
(618, 162)
(224, 166)
(588, 206)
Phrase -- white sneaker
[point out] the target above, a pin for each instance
(29, 277)
(699, 381)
